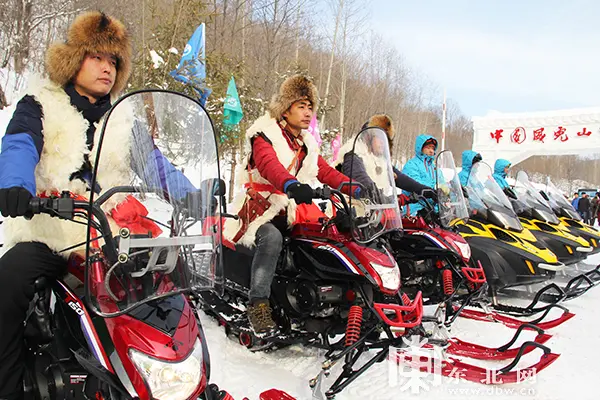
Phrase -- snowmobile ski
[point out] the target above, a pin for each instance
(511, 322)
(462, 348)
(456, 368)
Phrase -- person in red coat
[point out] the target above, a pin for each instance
(281, 169)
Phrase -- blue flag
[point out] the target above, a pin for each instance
(232, 109)
(192, 67)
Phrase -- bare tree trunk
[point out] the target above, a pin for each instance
(344, 78)
(247, 6)
(298, 32)
(3, 102)
(327, 85)
(23, 34)
(223, 24)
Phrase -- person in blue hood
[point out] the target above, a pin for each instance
(501, 171)
(469, 158)
(422, 166)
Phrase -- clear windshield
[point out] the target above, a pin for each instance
(376, 212)
(451, 202)
(164, 209)
(487, 200)
(559, 203)
(531, 197)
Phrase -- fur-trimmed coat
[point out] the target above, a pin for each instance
(367, 168)
(64, 148)
(364, 169)
(268, 134)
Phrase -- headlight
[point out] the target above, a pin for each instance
(548, 217)
(170, 381)
(390, 276)
(508, 222)
(464, 249)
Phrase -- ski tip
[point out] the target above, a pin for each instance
(556, 322)
(275, 394)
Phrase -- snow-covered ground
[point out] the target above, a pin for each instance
(572, 376)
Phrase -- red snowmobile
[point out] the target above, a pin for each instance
(432, 255)
(123, 323)
(337, 286)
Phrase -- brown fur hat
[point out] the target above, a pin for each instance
(294, 88)
(91, 32)
(384, 122)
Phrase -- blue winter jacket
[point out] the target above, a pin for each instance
(421, 168)
(575, 203)
(499, 174)
(24, 140)
(467, 164)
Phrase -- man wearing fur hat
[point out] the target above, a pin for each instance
(49, 148)
(282, 167)
(363, 162)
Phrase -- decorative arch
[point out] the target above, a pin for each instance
(516, 137)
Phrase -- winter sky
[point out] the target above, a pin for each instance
(504, 55)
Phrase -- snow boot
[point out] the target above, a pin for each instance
(260, 318)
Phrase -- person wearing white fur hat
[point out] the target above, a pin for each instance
(47, 149)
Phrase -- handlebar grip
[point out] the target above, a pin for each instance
(37, 205)
(323, 193)
(61, 207)
(414, 198)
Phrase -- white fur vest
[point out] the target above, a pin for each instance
(65, 146)
(376, 167)
(306, 174)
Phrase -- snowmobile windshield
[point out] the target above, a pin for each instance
(561, 206)
(488, 201)
(376, 210)
(159, 226)
(451, 202)
(531, 197)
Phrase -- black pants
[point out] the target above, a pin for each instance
(19, 268)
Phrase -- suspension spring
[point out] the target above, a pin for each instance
(354, 325)
(405, 299)
(447, 282)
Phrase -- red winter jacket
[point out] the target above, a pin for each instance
(265, 160)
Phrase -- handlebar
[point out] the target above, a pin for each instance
(65, 207)
(415, 198)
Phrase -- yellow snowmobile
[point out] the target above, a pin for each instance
(569, 218)
(536, 214)
(509, 253)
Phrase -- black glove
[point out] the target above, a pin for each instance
(465, 192)
(510, 193)
(429, 193)
(301, 192)
(14, 201)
